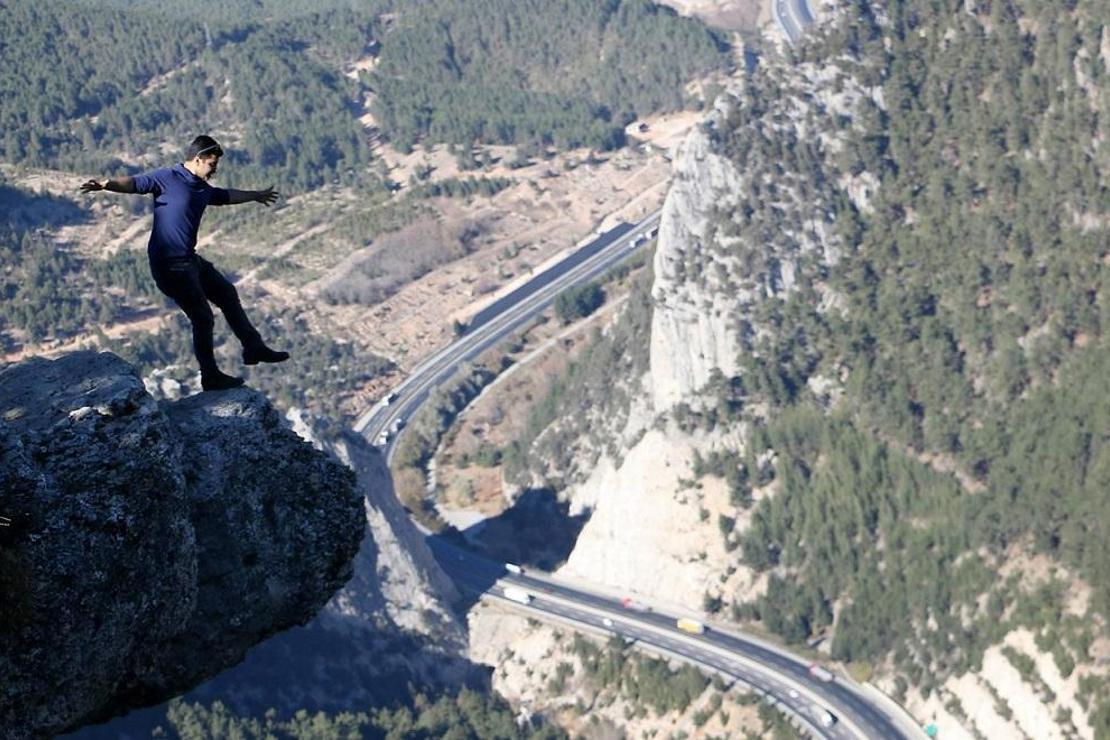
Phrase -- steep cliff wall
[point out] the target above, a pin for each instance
(151, 545)
(684, 315)
(743, 226)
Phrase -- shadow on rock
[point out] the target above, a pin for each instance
(537, 531)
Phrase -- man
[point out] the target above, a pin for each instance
(181, 193)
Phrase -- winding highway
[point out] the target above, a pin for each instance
(495, 322)
(785, 680)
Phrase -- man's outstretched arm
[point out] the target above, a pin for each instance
(115, 185)
(265, 197)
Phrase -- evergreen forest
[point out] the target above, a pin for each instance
(566, 73)
(972, 346)
(94, 87)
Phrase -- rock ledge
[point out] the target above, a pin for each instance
(151, 545)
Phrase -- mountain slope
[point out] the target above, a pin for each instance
(879, 322)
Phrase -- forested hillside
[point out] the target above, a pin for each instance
(87, 87)
(536, 72)
(89, 90)
(255, 11)
(973, 338)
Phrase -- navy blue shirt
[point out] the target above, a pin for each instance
(180, 198)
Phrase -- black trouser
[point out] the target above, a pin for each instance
(192, 282)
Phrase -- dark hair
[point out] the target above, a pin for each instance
(203, 144)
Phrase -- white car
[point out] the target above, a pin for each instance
(821, 672)
(607, 622)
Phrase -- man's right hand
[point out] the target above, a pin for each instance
(92, 186)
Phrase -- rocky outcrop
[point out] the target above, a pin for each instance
(389, 627)
(151, 544)
(750, 216)
(703, 182)
(411, 589)
(717, 266)
(665, 553)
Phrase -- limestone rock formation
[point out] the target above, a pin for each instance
(151, 545)
(684, 316)
(414, 591)
(714, 271)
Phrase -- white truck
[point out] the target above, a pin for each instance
(517, 594)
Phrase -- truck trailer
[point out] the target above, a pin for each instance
(517, 594)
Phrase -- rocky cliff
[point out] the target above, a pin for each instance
(151, 545)
(390, 626)
(703, 182)
(742, 226)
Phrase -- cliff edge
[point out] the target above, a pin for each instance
(148, 546)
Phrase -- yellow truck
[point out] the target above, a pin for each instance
(693, 626)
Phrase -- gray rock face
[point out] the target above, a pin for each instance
(750, 217)
(691, 331)
(389, 627)
(414, 591)
(150, 545)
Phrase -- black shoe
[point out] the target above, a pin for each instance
(255, 355)
(219, 382)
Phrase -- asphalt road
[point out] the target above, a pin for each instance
(785, 680)
(793, 18)
(489, 327)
